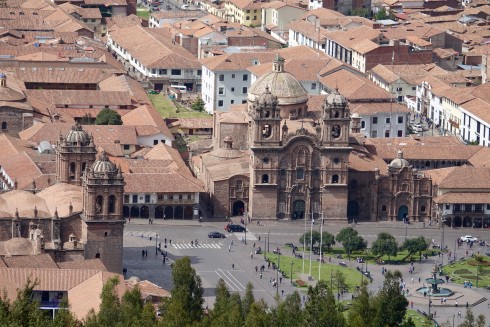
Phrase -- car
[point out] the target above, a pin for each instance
(417, 127)
(184, 7)
(216, 235)
(468, 238)
(234, 228)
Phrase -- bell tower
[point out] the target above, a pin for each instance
(336, 120)
(266, 121)
(74, 153)
(103, 223)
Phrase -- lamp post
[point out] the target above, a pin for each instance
(443, 220)
(362, 272)
(268, 240)
(277, 272)
(321, 254)
(406, 230)
(311, 241)
(156, 243)
(245, 223)
(291, 272)
(265, 247)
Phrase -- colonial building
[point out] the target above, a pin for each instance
(15, 113)
(79, 217)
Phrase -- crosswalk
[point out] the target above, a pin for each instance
(184, 246)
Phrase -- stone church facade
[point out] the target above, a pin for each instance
(285, 156)
(79, 217)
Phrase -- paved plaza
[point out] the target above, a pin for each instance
(219, 258)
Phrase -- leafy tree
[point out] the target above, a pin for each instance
(198, 105)
(248, 299)
(351, 241)
(327, 240)
(469, 320)
(306, 237)
(385, 244)
(258, 316)
(64, 318)
(383, 14)
(361, 12)
(24, 311)
(414, 245)
(184, 307)
(390, 304)
(289, 313)
(108, 117)
(321, 310)
(339, 280)
(362, 309)
(87, 119)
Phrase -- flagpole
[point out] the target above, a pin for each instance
(321, 244)
(304, 247)
(311, 240)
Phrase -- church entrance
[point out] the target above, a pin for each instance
(238, 208)
(402, 213)
(352, 209)
(298, 209)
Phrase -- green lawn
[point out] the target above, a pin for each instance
(168, 109)
(417, 318)
(352, 276)
(462, 270)
(143, 13)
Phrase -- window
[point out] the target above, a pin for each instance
(399, 89)
(414, 88)
(374, 134)
(244, 90)
(180, 196)
(232, 101)
(126, 198)
(112, 204)
(244, 101)
(375, 120)
(300, 173)
(388, 120)
(189, 196)
(239, 184)
(387, 133)
(221, 90)
(335, 179)
(135, 199)
(221, 78)
(155, 142)
(175, 72)
(220, 103)
(4, 125)
(147, 198)
(255, 17)
(99, 200)
(153, 71)
(266, 131)
(313, 86)
(400, 133)
(247, 18)
(232, 75)
(265, 179)
(422, 209)
(126, 146)
(199, 72)
(336, 160)
(400, 119)
(162, 72)
(448, 206)
(245, 77)
(363, 124)
(232, 89)
(383, 208)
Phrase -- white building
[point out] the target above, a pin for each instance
(383, 119)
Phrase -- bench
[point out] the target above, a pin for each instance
(342, 264)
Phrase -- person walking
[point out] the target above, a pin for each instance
(233, 266)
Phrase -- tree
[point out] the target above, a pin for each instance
(390, 303)
(361, 12)
(469, 320)
(306, 237)
(198, 105)
(414, 245)
(184, 307)
(248, 299)
(24, 311)
(257, 316)
(289, 313)
(383, 14)
(108, 117)
(362, 309)
(327, 240)
(321, 310)
(351, 241)
(339, 279)
(385, 244)
(87, 119)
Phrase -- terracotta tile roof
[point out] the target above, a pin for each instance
(322, 13)
(402, 32)
(362, 160)
(60, 73)
(180, 14)
(223, 170)
(467, 177)
(463, 197)
(147, 115)
(95, 264)
(309, 30)
(59, 196)
(371, 108)
(164, 55)
(438, 175)
(236, 115)
(84, 98)
(353, 36)
(444, 53)
(22, 168)
(106, 2)
(195, 122)
(364, 46)
(31, 261)
(122, 21)
(481, 158)
(147, 288)
(171, 181)
(237, 61)
(126, 84)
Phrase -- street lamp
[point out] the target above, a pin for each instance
(268, 240)
(277, 272)
(443, 220)
(245, 223)
(291, 272)
(406, 230)
(265, 247)
(156, 243)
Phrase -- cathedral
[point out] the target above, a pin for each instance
(79, 217)
(285, 155)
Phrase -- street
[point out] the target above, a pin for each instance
(219, 258)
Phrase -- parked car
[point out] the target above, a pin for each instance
(258, 250)
(185, 7)
(468, 238)
(234, 228)
(216, 235)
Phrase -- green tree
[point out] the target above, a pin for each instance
(63, 317)
(470, 321)
(248, 299)
(87, 119)
(385, 244)
(108, 117)
(258, 316)
(383, 14)
(198, 105)
(390, 303)
(184, 307)
(327, 241)
(289, 313)
(306, 237)
(24, 311)
(339, 280)
(321, 310)
(351, 241)
(362, 309)
(361, 12)
(415, 245)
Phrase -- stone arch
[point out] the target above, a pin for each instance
(159, 212)
(135, 212)
(238, 208)
(299, 209)
(125, 211)
(458, 222)
(169, 212)
(112, 203)
(73, 169)
(83, 166)
(265, 179)
(179, 212)
(402, 212)
(99, 204)
(352, 209)
(335, 179)
(188, 212)
(97, 255)
(467, 221)
(145, 212)
(448, 221)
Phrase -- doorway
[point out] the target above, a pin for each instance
(298, 209)
(402, 213)
(238, 208)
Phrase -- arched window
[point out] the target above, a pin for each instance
(422, 209)
(265, 179)
(301, 157)
(427, 163)
(336, 115)
(383, 208)
(112, 204)
(363, 124)
(99, 202)
(4, 125)
(73, 168)
(266, 131)
(300, 173)
(282, 172)
(335, 179)
(84, 165)
(239, 184)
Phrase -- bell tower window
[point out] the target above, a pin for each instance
(99, 200)
(265, 179)
(266, 131)
(335, 131)
(335, 179)
(72, 170)
(300, 173)
(112, 204)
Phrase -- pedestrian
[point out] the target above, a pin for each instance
(170, 241)
(411, 304)
(435, 313)
(251, 255)
(254, 245)
(269, 265)
(150, 238)
(165, 240)
(459, 314)
(280, 282)
(146, 253)
(282, 293)
(256, 269)
(413, 281)
(259, 238)
(419, 279)
(142, 253)
(229, 248)
(149, 221)
(260, 275)
(233, 266)
(270, 280)
(125, 270)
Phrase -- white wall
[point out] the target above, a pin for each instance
(469, 128)
(149, 140)
(371, 129)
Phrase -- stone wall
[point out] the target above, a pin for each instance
(105, 240)
(14, 120)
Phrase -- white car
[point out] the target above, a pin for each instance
(468, 238)
(185, 7)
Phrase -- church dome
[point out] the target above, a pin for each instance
(77, 135)
(281, 84)
(7, 94)
(267, 99)
(399, 162)
(103, 165)
(336, 99)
